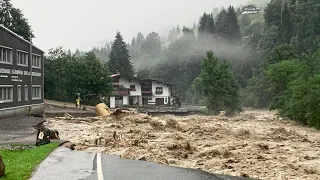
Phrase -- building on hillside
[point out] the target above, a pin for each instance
(250, 9)
(133, 91)
(21, 76)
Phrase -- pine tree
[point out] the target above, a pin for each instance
(207, 26)
(203, 23)
(152, 45)
(178, 31)
(120, 58)
(133, 42)
(233, 30)
(222, 24)
(140, 39)
(239, 12)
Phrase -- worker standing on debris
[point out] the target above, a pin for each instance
(78, 102)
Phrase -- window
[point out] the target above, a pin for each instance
(36, 61)
(6, 94)
(36, 92)
(132, 87)
(159, 90)
(26, 94)
(19, 93)
(5, 55)
(22, 58)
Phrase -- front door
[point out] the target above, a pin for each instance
(144, 101)
(131, 101)
(159, 101)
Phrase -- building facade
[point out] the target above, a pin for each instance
(21, 76)
(156, 93)
(133, 91)
(250, 9)
(128, 90)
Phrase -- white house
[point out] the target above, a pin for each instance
(133, 91)
(160, 94)
(250, 9)
(128, 90)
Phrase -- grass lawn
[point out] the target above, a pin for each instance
(21, 163)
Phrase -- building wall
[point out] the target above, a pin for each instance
(125, 82)
(165, 88)
(14, 75)
(125, 100)
(166, 93)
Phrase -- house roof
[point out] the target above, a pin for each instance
(18, 36)
(140, 80)
(250, 6)
(118, 75)
(170, 84)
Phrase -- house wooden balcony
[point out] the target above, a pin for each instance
(147, 93)
(121, 93)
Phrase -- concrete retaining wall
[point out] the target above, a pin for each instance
(36, 109)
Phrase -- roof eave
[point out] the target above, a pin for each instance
(18, 36)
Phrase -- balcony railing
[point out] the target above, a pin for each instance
(147, 93)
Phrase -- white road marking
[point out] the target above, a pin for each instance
(99, 167)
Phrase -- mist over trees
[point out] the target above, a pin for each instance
(225, 61)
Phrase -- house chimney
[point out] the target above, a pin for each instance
(118, 73)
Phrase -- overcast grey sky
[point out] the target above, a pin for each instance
(86, 23)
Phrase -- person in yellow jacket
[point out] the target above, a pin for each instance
(78, 102)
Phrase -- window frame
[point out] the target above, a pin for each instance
(40, 93)
(40, 63)
(133, 88)
(19, 95)
(27, 58)
(159, 92)
(26, 93)
(1, 94)
(1, 55)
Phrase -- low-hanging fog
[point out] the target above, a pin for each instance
(82, 24)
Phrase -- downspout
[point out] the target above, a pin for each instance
(30, 85)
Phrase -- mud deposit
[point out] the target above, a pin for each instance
(255, 144)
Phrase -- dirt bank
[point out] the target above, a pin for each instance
(254, 144)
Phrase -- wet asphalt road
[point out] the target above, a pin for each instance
(115, 168)
(64, 164)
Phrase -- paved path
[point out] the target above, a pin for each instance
(18, 130)
(64, 164)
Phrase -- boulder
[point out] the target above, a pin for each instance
(2, 167)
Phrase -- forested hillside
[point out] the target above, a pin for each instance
(275, 59)
(225, 60)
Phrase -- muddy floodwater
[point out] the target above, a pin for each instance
(254, 144)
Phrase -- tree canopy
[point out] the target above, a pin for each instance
(13, 19)
(119, 58)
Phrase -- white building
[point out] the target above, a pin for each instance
(250, 9)
(155, 92)
(133, 91)
(128, 90)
